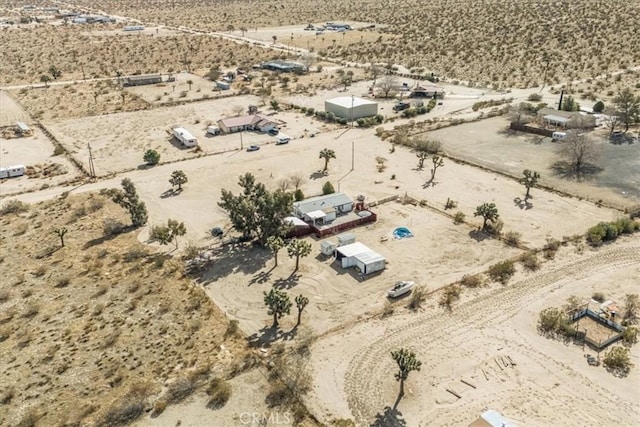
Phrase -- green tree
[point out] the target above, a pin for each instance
(598, 107)
(627, 106)
(327, 154)
(275, 105)
(151, 157)
(488, 212)
(166, 234)
(61, 231)
(275, 243)
(407, 362)
(279, 304)
(129, 200)
(570, 104)
(298, 249)
(257, 211)
(55, 73)
(178, 178)
(438, 162)
(301, 303)
(45, 79)
(530, 179)
(298, 195)
(327, 188)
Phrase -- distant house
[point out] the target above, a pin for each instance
(550, 117)
(283, 66)
(22, 129)
(145, 79)
(337, 26)
(324, 208)
(491, 418)
(258, 122)
(427, 91)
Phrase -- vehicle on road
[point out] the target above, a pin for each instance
(401, 106)
(400, 288)
(273, 132)
(217, 232)
(283, 139)
(253, 148)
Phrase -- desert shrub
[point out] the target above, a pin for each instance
(298, 195)
(598, 296)
(550, 248)
(609, 231)
(418, 296)
(631, 305)
(573, 303)
(534, 97)
(502, 271)
(179, 390)
(495, 228)
(626, 226)
(159, 407)
(4, 295)
(630, 335)
(233, 329)
(512, 238)
(123, 413)
(459, 217)
(58, 150)
(40, 271)
(344, 422)
(549, 320)
(279, 394)
(96, 205)
(617, 361)
(219, 392)
(30, 418)
(598, 107)
(450, 204)
(450, 294)
(134, 254)
(327, 188)
(530, 261)
(472, 281)
(151, 157)
(6, 395)
(14, 207)
(63, 282)
(112, 227)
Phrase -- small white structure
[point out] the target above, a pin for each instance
(185, 137)
(23, 129)
(491, 418)
(223, 85)
(213, 130)
(12, 171)
(325, 207)
(558, 136)
(346, 239)
(351, 107)
(328, 247)
(360, 256)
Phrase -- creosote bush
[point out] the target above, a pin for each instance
(450, 294)
(459, 217)
(550, 248)
(502, 271)
(219, 392)
(14, 207)
(512, 238)
(617, 361)
(530, 261)
(609, 231)
(472, 281)
(418, 296)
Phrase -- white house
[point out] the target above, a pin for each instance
(252, 122)
(324, 208)
(360, 256)
(351, 107)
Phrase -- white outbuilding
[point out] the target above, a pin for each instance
(360, 256)
(351, 107)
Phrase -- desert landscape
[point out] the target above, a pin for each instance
(468, 257)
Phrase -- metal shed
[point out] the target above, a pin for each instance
(351, 107)
(358, 255)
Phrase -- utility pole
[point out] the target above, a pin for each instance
(92, 170)
(241, 146)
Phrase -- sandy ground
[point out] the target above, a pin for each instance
(10, 111)
(179, 90)
(549, 386)
(489, 144)
(35, 151)
(246, 407)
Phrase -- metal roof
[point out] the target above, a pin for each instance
(557, 119)
(353, 249)
(322, 202)
(346, 101)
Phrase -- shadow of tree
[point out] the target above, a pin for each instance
(508, 132)
(270, 334)
(389, 417)
(170, 193)
(479, 235)
(522, 203)
(261, 277)
(288, 282)
(624, 139)
(318, 175)
(567, 170)
(107, 237)
(233, 258)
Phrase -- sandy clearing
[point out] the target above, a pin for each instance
(10, 111)
(540, 390)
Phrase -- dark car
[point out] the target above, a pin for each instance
(217, 232)
(253, 148)
(273, 132)
(401, 106)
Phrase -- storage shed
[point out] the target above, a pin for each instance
(23, 129)
(351, 107)
(346, 239)
(360, 256)
(328, 247)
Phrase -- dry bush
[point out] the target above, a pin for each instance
(630, 335)
(550, 248)
(552, 322)
(502, 271)
(233, 329)
(179, 390)
(459, 217)
(62, 282)
(599, 296)
(450, 294)
(617, 361)
(418, 296)
(472, 281)
(530, 261)
(123, 413)
(4, 295)
(219, 392)
(631, 307)
(159, 407)
(512, 238)
(387, 309)
(13, 207)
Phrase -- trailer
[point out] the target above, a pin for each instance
(12, 171)
(185, 137)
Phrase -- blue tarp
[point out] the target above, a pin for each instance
(401, 233)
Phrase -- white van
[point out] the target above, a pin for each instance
(213, 130)
(282, 139)
(558, 136)
(185, 137)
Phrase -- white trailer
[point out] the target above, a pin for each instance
(213, 130)
(4, 173)
(185, 137)
(12, 171)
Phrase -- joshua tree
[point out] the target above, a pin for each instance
(178, 178)
(55, 73)
(488, 212)
(437, 163)
(129, 200)
(327, 155)
(407, 362)
(279, 304)
(61, 231)
(190, 82)
(243, 30)
(529, 180)
(298, 248)
(45, 79)
(301, 303)
(275, 243)
(275, 38)
(422, 156)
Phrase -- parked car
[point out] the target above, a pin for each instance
(273, 132)
(253, 148)
(217, 232)
(282, 139)
(400, 288)
(401, 106)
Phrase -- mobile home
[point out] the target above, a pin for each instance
(12, 171)
(185, 137)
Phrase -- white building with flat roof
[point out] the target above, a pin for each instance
(351, 107)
